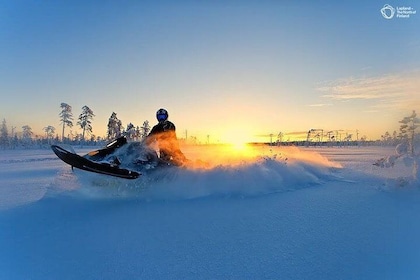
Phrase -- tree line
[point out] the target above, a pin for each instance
(408, 132)
(84, 122)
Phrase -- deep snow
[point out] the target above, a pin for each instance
(280, 213)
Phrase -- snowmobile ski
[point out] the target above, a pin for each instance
(98, 167)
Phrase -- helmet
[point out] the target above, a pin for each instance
(162, 115)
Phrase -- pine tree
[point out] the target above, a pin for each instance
(85, 120)
(408, 129)
(49, 132)
(405, 149)
(66, 117)
(114, 126)
(145, 129)
(131, 131)
(4, 134)
(27, 134)
(138, 134)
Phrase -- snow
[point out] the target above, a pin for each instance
(275, 213)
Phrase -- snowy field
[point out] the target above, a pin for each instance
(282, 213)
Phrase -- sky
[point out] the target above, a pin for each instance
(228, 70)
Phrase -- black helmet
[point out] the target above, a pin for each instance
(162, 115)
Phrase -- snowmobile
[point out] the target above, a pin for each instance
(118, 158)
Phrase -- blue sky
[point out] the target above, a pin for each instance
(222, 68)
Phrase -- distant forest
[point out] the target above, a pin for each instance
(26, 138)
(313, 137)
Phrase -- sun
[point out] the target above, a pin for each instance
(236, 139)
(238, 143)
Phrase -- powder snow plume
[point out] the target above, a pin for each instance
(209, 157)
(220, 170)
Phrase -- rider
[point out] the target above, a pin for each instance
(164, 134)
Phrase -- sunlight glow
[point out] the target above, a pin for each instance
(237, 137)
(240, 150)
(238, 143)
(239, 146)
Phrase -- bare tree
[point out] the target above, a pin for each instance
(315, 133)
(280, 138)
